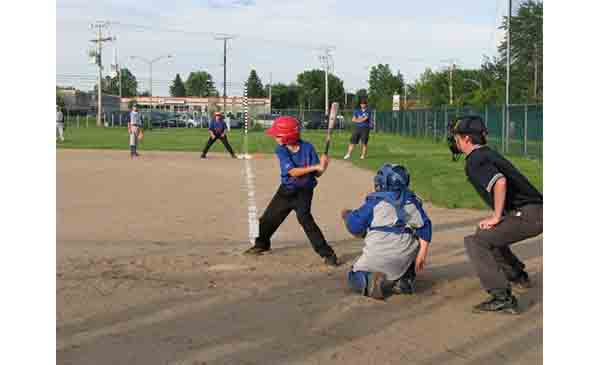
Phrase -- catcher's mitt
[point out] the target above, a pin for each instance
(344, 214)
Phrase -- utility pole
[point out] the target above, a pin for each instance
(507, 122)
(99, 25)
(327, 60)
(451, 71)
(224, 38)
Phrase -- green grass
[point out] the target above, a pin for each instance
(434, 176)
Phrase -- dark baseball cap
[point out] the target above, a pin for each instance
(468, 125)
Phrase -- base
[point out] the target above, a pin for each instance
(245, 156)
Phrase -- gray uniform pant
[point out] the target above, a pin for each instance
(489, 249)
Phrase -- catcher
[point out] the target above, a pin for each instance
(397, 233)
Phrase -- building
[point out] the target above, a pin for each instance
(192, 104)
(81, 102)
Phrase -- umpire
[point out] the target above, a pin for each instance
(517, 215)
(362, 126)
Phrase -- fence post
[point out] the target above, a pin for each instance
(77, 120)
(434, 126)
(445, 114)
(112, 120)
(87, 117)
(120, 120)
(525, 133)
(485, 120)
(503, 129)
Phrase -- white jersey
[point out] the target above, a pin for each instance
(134, 118)
(59, 117)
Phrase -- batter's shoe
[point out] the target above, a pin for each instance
(375, 285)
(501, 302)
(347, 157)
(522, 282)
(256, 251)
(331, 260)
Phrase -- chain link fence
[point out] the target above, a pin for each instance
(522, 136)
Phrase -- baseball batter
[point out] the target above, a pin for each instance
(217, 130)
(397, 233)
(300, 167)
(517, 215)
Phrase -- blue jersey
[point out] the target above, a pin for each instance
(217, 126)
(359, 113)
(306, 156)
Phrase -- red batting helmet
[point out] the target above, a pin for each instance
(287, 128)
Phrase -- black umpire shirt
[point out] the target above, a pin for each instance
(485, 166)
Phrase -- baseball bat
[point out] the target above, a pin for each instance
(332, 118)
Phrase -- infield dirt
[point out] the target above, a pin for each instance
(149, 271)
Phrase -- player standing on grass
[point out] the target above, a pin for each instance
(300, 166)
(362, 127)
(217, 130)
(60, 124)
(134, 127)
(517, 215)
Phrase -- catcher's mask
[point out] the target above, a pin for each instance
(391, 178)
(470, 125)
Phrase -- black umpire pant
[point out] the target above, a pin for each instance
(223, 139)
(489, 249)
(280, 207)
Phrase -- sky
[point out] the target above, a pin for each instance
(278, 38)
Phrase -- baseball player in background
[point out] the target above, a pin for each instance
(397, 233)
(134, 128)
(517, 215)
(217, 130)
(300, 166)
(60, 125)
(361, 119)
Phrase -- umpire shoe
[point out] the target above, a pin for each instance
(375, 285)
(522, 283)
(502, 302)
(331, 260)
(256, 251)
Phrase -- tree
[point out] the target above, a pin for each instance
(526, 52)
(311, 87)
(200, 83)
(110, 85)
(284, 96)
(383, 85)
(145, 93)
(60, 99)
(255, 86)
(177, 88)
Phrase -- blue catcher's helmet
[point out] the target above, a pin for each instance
(391, 177)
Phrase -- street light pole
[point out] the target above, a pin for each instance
(149, 63)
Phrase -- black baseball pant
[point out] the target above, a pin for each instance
(280, 207)
(489, 249)
(223, 139)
